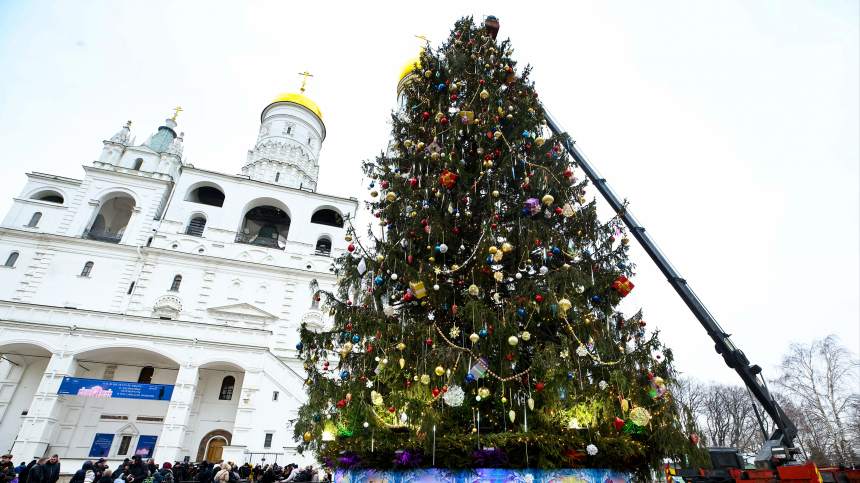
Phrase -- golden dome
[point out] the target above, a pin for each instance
(408, 67)
(300, 100)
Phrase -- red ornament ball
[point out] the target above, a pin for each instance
(351, 248)
(413, 182)
(538, 298)
(436, 392)
(429, 341)
(425, 115)
(444, 120)
(391, 409)
(568, 173)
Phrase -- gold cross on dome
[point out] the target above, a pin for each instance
(306, 74)
(176, 113)
(423, 38)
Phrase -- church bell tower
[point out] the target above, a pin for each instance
(288, 145)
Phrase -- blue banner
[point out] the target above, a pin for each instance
(101, 445)
(145, 446)
(77, 386)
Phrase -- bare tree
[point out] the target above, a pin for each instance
(821, 378)
(728, 418)
(690, 393)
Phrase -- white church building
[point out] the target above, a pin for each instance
(152, 271)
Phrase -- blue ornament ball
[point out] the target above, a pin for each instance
(482, 334)
(298, 346)
(378, 281)
(569, 375)
(522, 312)
(344, 374)
(355, 339)
(556, 251)
(595, 299)
(317, 418)
(489, 259)
(622, 266)
(346, 335)
(470, 378)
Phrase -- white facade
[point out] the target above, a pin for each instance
(151, 266)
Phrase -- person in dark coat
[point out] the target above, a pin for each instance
(82, 473)
(7, 469)
(36, 473)
(52, 470)
(137, 472)
(206, 475)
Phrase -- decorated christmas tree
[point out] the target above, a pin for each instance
(477, 323)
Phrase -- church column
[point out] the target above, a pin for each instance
(169, 447)
(44, 412)
(246, 418)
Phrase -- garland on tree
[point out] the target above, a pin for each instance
(477, 324)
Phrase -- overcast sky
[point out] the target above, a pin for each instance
(732, 127)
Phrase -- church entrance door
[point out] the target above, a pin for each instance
(214, 450)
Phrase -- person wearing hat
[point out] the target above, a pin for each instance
(166, 473)
(138, 471)
(7, 469)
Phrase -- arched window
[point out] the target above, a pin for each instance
(34, 221)
(195, 226)
(49, 196)
(206, 195)
(174, 287)
(328, 217)
(13, 257)
(323, 247)
(88, 268)
(138, 163)
(146, 374)
(315, 304)
(227, 388)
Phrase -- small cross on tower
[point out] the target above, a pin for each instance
(176, 113)
(306, 74)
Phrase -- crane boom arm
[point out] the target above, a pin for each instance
(785, 432)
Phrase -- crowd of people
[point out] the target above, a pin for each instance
(135, 470)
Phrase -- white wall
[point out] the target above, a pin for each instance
(26, 378)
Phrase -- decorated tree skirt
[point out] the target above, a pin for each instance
(483, 475)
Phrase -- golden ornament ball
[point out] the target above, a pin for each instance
(474, 430)
(428, 74)
(374, 176)
(374, 194)
(495, 194)
(510, 116)
(402, 362)
(484, 94)
(497, 134)
(421, 145)
(547, 199)
(329, 347)
(348, 346)
(455, 267)
(625, 240)
(401, 346)
(307, 436)
(439, 370)
(407, 143)
(391, 196)
(564, 305)
(309, 382)
(539, 141)
(512, 340)
(493, 250)
(498, 276)
(543, 122)
(431, 259)
(659, 381)
(507, 247)
(348, 238)
(504, 400)
(379, 258)
(526, 336)
(474, 338)
(484, 392)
